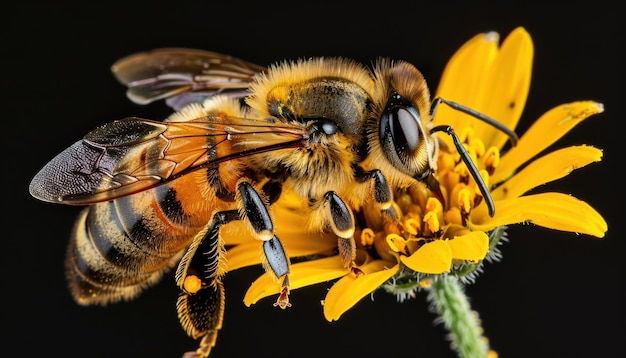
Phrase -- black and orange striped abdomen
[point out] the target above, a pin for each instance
(120, 247)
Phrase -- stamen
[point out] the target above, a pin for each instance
(478, 146)
(492, 159)
(396, 243)
(462, 170)
(445, 162)
(412, 226)
(367, 237)
(466, 134)
(432, 221)
(453, 216)
(464, 200)
(433, 204)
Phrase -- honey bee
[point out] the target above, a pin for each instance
(334, 132)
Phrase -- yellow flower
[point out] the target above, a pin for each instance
(454, 237)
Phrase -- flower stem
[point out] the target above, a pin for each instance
(449, 301)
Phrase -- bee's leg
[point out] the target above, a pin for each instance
(341, 221)
(259, 218)
(203, 310)
(381, 191)
(273, 188)
(201, 304)
(278, 262)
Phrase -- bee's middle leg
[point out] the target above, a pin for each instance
(341, 221)
(341, 218)
(260, 221)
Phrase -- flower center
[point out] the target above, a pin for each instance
(424, 219)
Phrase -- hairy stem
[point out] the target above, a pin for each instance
(450, 303)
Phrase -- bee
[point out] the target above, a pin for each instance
(336, 133)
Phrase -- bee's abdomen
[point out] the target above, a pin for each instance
(119, 247)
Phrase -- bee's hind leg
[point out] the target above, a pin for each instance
(200, 306)
(201, 314)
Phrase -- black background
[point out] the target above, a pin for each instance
(553, 294)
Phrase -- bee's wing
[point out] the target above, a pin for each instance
(183, 75)
(130, 155)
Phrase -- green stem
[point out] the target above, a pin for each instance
(450, 302)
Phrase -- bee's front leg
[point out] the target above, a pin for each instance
(380, 190)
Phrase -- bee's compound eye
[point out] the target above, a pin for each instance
(399, 131)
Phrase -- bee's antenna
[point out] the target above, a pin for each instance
(459, 107)
(470, 166)
(461, 149)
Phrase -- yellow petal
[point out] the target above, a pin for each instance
(302, 274)
(489, 80)
(467, 67)
(434, 258)
(236, 233)
(244, 255)
(545, 131)
(550, 167)
(350, 289)
(250, 253)
(551, 210)
(505, 87)
(472, 246)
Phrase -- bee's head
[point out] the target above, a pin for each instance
(399, 128)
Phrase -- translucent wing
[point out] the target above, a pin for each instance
(130, 155)
(183, 75)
